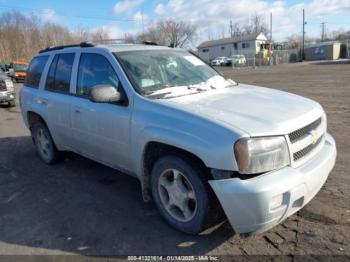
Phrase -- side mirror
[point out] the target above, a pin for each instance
(105, 94)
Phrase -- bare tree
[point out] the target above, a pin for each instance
(170, 32)
(295, 41)
(256, 25)
(129, 38)
(339, 34)
(99, 35)
(23, 36)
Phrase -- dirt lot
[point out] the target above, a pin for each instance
(81, 207)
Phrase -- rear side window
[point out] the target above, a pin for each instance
(58, 78)
(35, 70)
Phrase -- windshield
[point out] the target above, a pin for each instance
(20, 67)
(153, 70)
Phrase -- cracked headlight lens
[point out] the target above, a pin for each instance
(258, 155)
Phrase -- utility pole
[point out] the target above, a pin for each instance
(303, 44)
(271, 27)
(143, 25)
(323, 34)
(231, 28)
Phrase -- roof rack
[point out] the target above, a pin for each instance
(82, 44)
(92, 44)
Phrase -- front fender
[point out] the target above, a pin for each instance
(215, 153)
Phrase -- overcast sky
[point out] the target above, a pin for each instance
(211, 16)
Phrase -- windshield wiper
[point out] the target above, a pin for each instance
(200, 87)
(160, 92)
(157, 95)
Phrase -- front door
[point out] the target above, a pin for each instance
(101, 131)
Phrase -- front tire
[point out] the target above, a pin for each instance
(181, 194)
(44, 144)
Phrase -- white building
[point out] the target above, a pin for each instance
(243, 44)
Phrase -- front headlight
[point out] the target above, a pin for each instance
(258, 155)
(9, 85)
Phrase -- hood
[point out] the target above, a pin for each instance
(256, 110)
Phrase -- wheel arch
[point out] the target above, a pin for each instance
(153, 150)
(33, 117)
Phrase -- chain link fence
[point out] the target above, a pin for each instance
(264, 58)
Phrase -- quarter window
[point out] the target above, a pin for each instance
(95, 69)
(35, 70)
(59, 75)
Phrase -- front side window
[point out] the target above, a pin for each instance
(95, 69)
(58, 78)
(152, 70)
(35, 70)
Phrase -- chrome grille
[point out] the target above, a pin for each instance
(306, 150)
(304, 131)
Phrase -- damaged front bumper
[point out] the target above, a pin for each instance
(257, 204)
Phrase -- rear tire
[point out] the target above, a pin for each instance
(44, 145)
(182, 194)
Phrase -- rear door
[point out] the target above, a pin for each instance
(57, 98)
(101, 131)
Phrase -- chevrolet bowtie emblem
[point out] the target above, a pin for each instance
(314, 136)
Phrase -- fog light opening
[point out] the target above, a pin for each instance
(276, 202)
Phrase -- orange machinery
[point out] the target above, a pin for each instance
(18, 70)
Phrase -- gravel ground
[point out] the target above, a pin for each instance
(82, 207)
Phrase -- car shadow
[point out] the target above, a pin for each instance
(82, 207)
(4, 105)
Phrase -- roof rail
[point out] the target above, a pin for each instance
(82, 44)
(123, 41)
(92, 44)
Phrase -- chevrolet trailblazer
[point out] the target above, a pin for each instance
(198, 143)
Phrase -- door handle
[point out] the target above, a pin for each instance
(77, 110)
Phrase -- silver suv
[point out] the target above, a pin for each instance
(200, 144)
(7, 90)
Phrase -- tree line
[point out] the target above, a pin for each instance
(21, 37)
